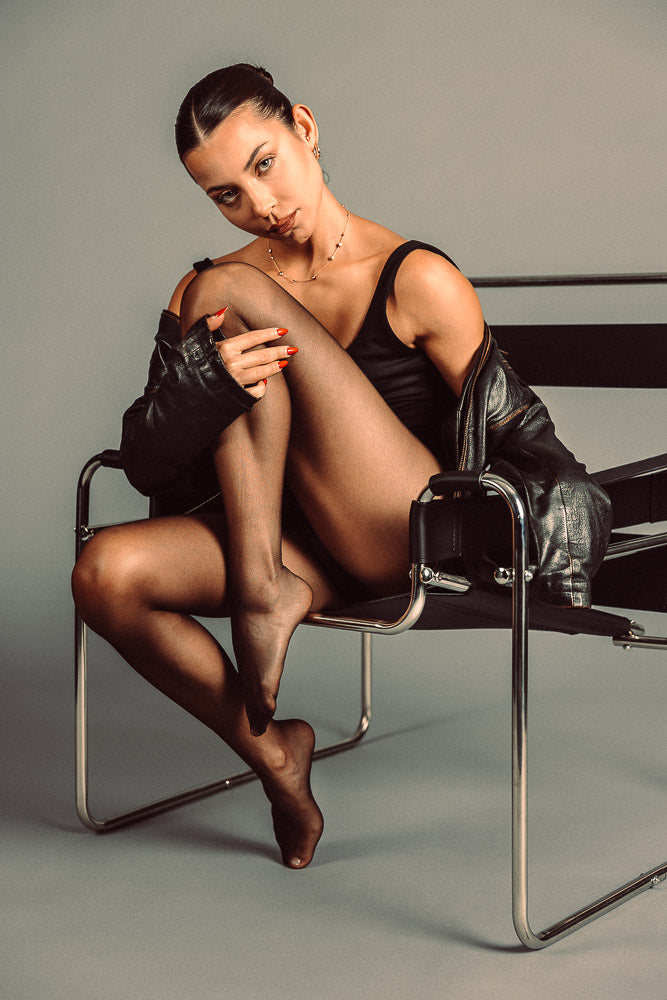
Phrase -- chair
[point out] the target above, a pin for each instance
(632, 575)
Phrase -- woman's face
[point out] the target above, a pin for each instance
(262, 176)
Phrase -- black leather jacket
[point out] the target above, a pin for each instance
(503, 426)
(500, 424)
(189, 399)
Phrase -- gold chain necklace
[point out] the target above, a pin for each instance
(302, 281)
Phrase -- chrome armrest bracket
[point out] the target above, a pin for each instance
(376, 626)
(446, 581)
(505, 577)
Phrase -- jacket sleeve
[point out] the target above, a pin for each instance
(188, 401)
(505, 426)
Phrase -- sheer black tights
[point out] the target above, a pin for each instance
(323, 421)
(354, 469)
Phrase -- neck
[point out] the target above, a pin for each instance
(301, 259)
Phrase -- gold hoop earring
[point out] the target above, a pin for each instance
(316, 151)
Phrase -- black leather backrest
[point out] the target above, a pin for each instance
(620, 355)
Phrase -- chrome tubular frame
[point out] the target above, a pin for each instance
(635, 638)
(421, 578)
(554, 280)
(84, 532)
(619, 549)
(521, 575)
(375, 626)
(644, 881)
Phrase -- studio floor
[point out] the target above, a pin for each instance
(409, 892)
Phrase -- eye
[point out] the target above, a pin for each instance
(265, 164)
(226, 197)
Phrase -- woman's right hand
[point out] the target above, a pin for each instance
(247, 357)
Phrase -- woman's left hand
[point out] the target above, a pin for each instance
(247, 358)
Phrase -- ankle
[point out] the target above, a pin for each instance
(274, 762)
(266, 589)
(259, 590)
(288, 750)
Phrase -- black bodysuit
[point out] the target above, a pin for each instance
(405, 377)
(498, 422)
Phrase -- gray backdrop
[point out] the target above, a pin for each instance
(522, 137)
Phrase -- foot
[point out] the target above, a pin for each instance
(297, 820)
(261, 631)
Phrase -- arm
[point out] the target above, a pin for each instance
(501, 419)
(198, 383)
(434, 307)
(188, 401)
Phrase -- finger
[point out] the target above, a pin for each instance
(257, 390)
(253, 338)
(248, 376)
(254, 357)
(214, 322)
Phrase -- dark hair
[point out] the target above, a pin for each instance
(222, 92)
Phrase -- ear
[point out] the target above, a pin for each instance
(304, 123)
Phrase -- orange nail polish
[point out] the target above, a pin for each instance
(281, 364)
(292, 350)
(281, 332)
(222, 311)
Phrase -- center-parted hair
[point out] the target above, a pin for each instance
(222, 92)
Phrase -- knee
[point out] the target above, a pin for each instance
(105, 578)
(227, 284)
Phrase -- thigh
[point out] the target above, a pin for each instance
(355, 471)
(178, 564)
(353, 466)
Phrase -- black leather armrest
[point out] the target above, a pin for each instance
(638, 491)
(110, 459)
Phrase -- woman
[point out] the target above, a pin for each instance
(310, 379)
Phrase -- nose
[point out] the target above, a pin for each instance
(261, 202)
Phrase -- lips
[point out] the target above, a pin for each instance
(283, 225)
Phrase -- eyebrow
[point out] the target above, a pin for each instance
(219, 187)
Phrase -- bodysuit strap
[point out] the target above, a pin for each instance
(377, 310)
(202, 265)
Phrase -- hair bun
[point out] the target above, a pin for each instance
(265, 73)
(255, 69)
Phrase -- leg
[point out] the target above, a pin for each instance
(134, 585)
(266, 600)
(353, 466)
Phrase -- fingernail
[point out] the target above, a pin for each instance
(292, 350)
(264, 380)
(296, 862)
(281, 332)
(222, 311)
(281, 364)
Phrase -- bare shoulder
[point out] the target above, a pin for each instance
(431, 298)
(428, 284)
(246, 255)
(434, 307)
